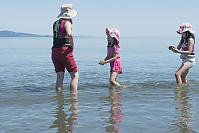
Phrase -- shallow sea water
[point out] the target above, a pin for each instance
(150, 103)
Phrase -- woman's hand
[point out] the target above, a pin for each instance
(102, 62)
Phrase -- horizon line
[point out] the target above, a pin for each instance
(85, 36)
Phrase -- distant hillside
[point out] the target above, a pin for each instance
(19, 34)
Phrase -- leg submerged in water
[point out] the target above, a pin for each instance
(112, 80)
(59, 81)
(74, 81)
(181, 74)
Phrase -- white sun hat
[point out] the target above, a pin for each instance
(67, 11)
(185, 27)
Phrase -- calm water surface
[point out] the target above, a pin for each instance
(150, 103)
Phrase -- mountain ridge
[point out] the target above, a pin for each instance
(7, 33)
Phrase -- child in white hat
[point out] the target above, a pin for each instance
(186, 49)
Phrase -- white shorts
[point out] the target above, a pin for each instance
(190, 61)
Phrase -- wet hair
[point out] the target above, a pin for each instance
(187, 37)
(115, 43)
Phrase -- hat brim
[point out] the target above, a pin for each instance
(180, 32)
(71, 14)
(108, 31)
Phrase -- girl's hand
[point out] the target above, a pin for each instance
(102, 62)
(175, 50)
(171, 47)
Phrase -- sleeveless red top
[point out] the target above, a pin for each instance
(60, 37)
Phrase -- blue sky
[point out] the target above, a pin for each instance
(131, 17)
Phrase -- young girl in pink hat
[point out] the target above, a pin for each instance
(113, 56)
(186, 49)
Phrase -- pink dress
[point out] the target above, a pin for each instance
(115, 65)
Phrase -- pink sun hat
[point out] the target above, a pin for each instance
(185, 27)
(113, 33)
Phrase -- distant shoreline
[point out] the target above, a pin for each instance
(6, 33)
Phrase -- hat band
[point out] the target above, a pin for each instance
(185, 26)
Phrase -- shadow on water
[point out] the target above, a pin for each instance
(115, 112)
(66, 119)
(183, 108)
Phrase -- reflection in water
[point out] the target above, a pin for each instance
(184, 110)
(116, 112)
(66, 120)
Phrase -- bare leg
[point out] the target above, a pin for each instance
(59, 81)
(184, 76)
(179, 74)
(74, 81)
(113, 76)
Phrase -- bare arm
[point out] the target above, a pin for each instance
(179, 46)
(190, 47)
(106, 60)
(68, 27)
(111, 59)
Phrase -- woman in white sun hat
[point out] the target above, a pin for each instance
(62, 50)
(186, 49)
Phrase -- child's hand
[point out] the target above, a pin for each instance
(175, 50)
(171, 47)
(102, 62)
